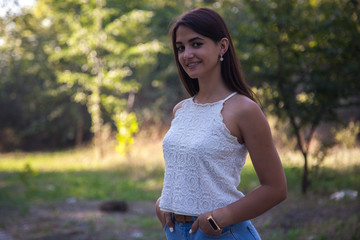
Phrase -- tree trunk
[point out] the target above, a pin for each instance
(286, 97)
(305, 175)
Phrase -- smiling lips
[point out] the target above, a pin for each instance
(190, 65)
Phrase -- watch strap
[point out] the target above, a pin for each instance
(213, 223)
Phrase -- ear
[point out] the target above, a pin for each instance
(224, 45)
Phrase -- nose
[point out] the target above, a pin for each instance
(188, 53)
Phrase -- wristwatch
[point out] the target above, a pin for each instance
(213, 223)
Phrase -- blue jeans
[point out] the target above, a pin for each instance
(239, 231)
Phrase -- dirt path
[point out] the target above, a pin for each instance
(83, 220)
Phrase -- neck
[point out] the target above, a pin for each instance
(211, 89)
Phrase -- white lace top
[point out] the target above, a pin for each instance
(203, 160)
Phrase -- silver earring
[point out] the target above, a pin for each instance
(221, 58)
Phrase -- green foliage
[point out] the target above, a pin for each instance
(67, 65)
(127, 126)
(36, 110)
(295, 54)
(347, 136)
(97, 57)
(303, 61)
(26, 175)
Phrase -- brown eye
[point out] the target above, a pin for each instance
(180, 48)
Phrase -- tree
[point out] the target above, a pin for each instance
(303, 57)
(130, 69)
(36, 112)
(97, 51)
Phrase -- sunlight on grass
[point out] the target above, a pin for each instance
(144, 155)
(145, 164)
(76, 159)
(337, 158)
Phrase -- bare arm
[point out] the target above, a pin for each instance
(256, 133)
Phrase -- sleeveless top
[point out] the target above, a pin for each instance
(203, 160)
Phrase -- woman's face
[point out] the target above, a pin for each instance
(197, 54)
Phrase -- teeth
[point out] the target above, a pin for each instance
(192, 64)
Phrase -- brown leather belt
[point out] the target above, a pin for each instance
(182, 218)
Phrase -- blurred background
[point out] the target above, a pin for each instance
(87, 89)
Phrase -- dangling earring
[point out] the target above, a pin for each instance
(221, 58)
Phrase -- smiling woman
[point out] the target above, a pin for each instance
(210, 136)
(199, 55)
(207, 26)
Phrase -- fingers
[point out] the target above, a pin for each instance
(169, 221)
(203, 223)
(195, 226)
(164, 217)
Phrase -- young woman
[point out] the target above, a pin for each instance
(209, 138)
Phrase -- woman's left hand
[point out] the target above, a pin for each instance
(205, 226)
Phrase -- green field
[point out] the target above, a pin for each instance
(31, 180)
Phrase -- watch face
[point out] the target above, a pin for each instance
(212, 223)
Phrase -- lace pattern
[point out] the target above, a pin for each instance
(203, 161)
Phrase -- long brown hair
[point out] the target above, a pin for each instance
(210, 24)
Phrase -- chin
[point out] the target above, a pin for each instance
(193, 75)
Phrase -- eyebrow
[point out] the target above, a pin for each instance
(191, 40)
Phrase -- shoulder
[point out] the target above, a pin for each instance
(246, 111)
(179, 105)
(241, 104)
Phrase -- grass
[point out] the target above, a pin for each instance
(28, 179)
(53, 177)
